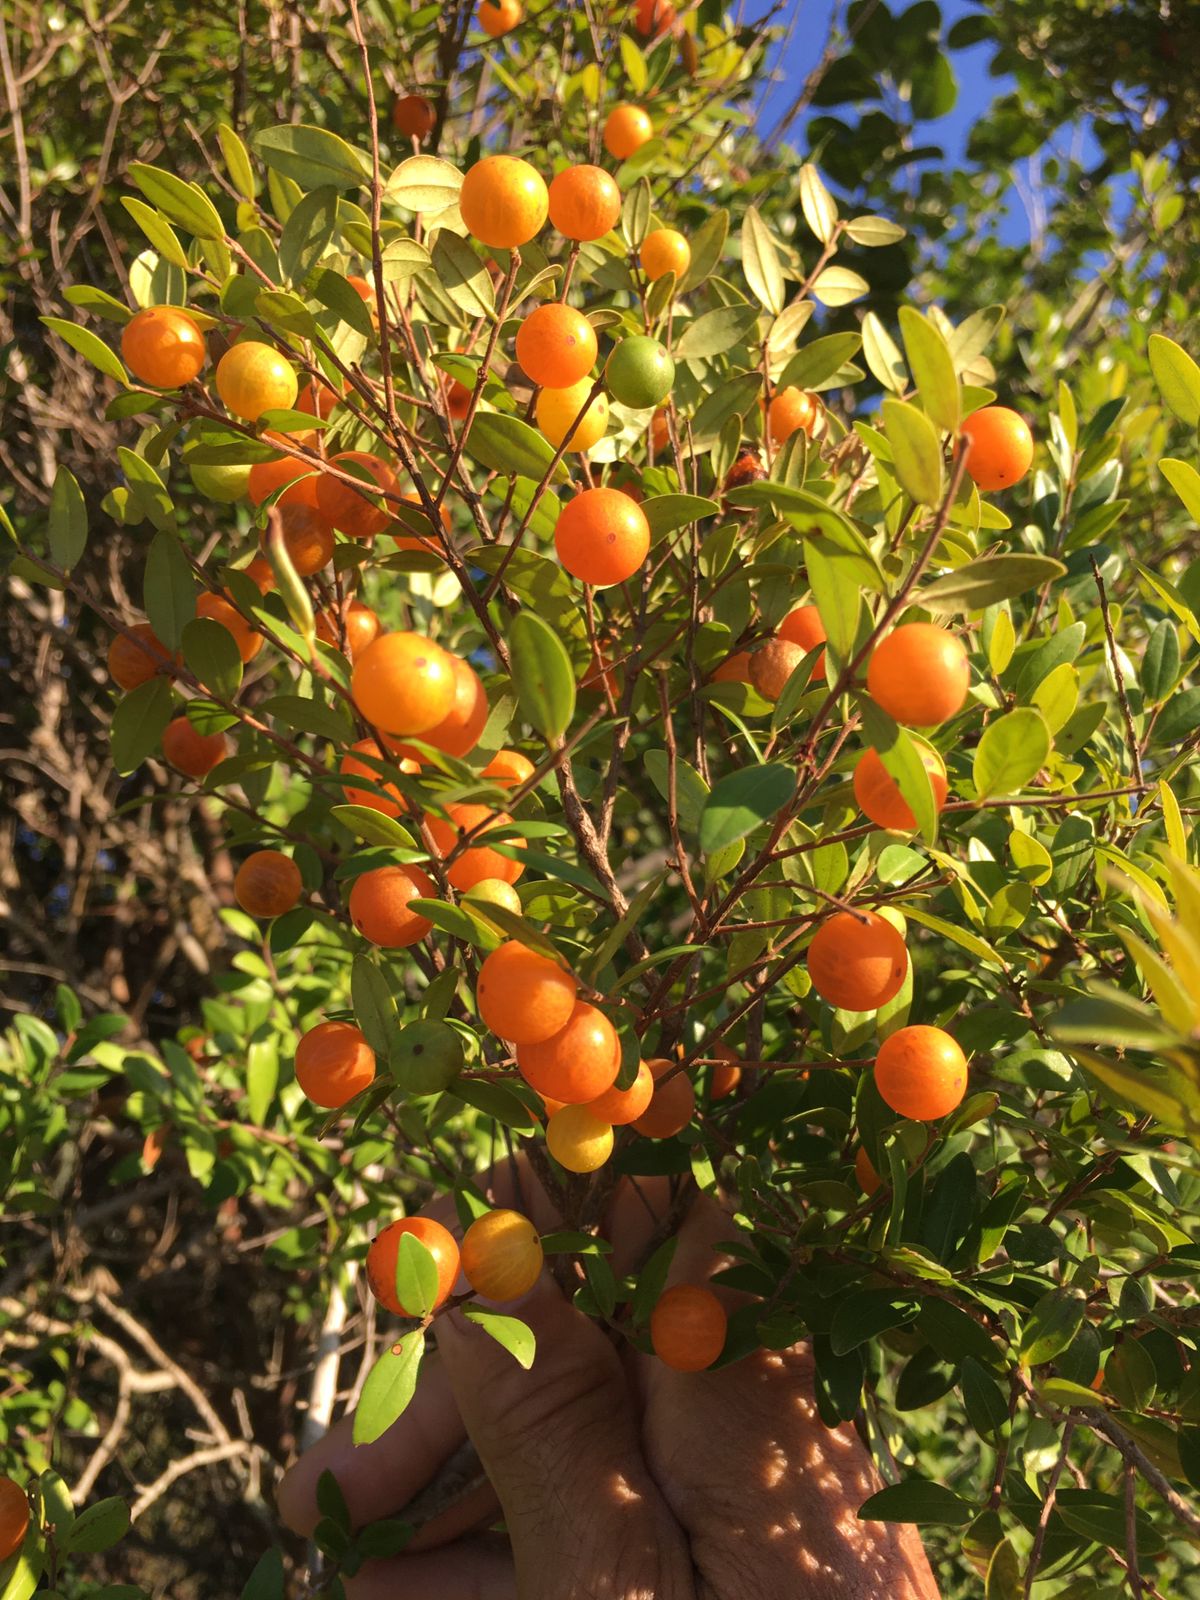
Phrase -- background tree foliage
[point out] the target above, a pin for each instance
(175, 1244)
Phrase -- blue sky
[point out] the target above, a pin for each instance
(976, 87)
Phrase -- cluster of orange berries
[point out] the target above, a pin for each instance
(501, 1258)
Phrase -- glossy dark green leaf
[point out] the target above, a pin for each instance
(138, 723)
(919, 1501)
(88, 345)
(374, 1008)
(1051, 1325)
(212, 656)
(308, 233)
(97, 1528)
(314, 158)
(714, 332)
(867, 1314)
(67, 525)
(185, 203)
(542, 675)
(988, 581)
(266, 1582)
(170, 589)
(916, 454)
(506, 444)
(743, 800)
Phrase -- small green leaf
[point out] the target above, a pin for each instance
(138, 723)
(390, 1386)
(838, 286)
(97, 1528)
(714, 332)
(1010, 752)
(92, 349)
(1177, 377)
(874, 232)
(312, 157)
(932, 369)
(666, 513)
(463, 275)
(1185, 481)
(920, 1501)
(147, 493)
(815, 362)
(372, 826)
(237, 161)
(818, 205)
(508, 445)
(212, 657)
(882, 354)
(898, 751)
(760, 261)
(185, 203)
(708, 246)
(510, 1333)
(266, 1582)
(988, 581)
(307, 234)
(159, 232)
(423, 183)
(68, 522)
(743, 800)
(495, 1100)
(170, 589)
(916, 454)
(542, 675)
(374, 1008)
(416, 1276)
(1051, 1325)
(868, 1313)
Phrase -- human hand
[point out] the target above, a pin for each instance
(617, 1478)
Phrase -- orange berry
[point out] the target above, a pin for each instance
(921, 1073)
(558, 409)
(509, 768)
(585, 203)
(502, 1255)
(522, 995)
(791, 411)
(857, 961)
(578, 1063)
(602, 537)
(999, 447)
(660, 431)
(267, 884)
(477, 861)
(260, 574)
(385, 1251)
(804, 627)
(599, 678)
(619, 1107)
(734, 669)
(687, 1327)
(379, 906)
(307, 538)
(218, 608)
(726, 1077)
(404, 683)
(919, 674)
(665, 250)
(772, 664)
(654, 18)
(163, 346)
(359, 622)
(458, 732)
(626, 130)
(253, 377)
(346, 506)
(193, 753)
(868, 1179)
(498, 17)
(503, 202)
(577, 1139)
(389, 804)
(414, 115)
(672, 1104)
(137, 656)
(878, 793)
(267, 476)
(556, 346)
(14, 1517)
(334, 1062)
(316, 399)
(458, 399)
(428, 544)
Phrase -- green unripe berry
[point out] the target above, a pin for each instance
(639, 373)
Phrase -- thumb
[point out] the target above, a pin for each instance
(561, 1446)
